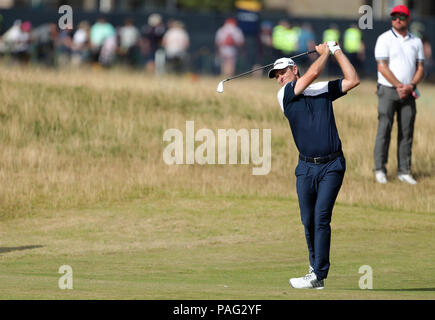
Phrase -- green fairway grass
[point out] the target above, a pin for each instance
(175, 246)
(84, 184)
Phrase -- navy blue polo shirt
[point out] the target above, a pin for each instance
(311, 117)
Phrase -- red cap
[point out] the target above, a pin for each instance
(231, 21)
(400, 9)
(26, 26)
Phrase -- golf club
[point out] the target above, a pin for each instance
(220, 87)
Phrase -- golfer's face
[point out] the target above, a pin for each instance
(284, 76)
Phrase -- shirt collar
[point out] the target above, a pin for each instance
(408, 35)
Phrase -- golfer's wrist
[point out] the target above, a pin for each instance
(337, 51)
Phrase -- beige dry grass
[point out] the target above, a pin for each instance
(83, 183)
(79, 138)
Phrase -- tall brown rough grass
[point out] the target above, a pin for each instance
(84, 138)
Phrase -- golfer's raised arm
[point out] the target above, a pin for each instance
(351, 79)
(314, 70)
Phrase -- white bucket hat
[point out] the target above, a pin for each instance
(280, 64)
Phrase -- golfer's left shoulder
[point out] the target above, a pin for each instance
(336, 89)
(335, 85)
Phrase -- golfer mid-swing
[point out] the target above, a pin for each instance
(321, 166)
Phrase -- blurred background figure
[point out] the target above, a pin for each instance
(23, 49)
(22, 46)
(80, 44)
(417, 28)
(151, 36)
(293, 35)
(128, 42)
(285, 39)
(108, 51)
(265, 43)
(64, 47)
(354, 48)
(306, 42)
(101, 31)
(247, 15)
(16, 41)
(278, 38)
(332, 34)
(428, 61)
(176, 42)
(43, 45)
(229, 39)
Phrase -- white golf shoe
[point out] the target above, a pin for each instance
(308, 282)
(381, 177)
(407, 178)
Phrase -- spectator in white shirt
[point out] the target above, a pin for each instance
(128, 40)
(176, 42)
(400, 59)
(80, 46)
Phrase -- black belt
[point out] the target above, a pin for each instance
(381, 85)
(325, 159)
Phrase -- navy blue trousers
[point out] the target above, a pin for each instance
(317, 187)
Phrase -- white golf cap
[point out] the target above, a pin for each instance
(279, 64)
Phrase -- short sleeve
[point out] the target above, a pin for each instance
(381, 49)
(420, 51)
(334, 89)
(286, 94)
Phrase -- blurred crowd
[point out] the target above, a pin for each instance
(285, 40)
(150, 46)
(163, 46)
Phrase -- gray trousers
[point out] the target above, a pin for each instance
(389, 104)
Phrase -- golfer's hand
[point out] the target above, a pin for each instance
(333, 47)
(322, 49)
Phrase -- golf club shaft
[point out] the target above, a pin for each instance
(268, 65)
(303, 54)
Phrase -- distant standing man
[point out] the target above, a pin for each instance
(321, 166)
(400, 58)
(229, 39)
